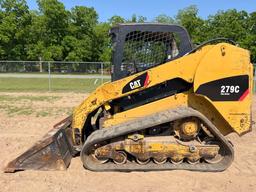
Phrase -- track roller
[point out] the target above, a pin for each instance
(142, 161)
(159, 161)
(120, 158)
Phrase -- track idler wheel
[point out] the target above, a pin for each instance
(218, 157)
(214, 160)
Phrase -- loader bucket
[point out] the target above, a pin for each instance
(53, 152)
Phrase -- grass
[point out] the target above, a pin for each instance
(58, 73)
(26, 105)
(11, 110)
(61, 85)
(42, 84)
(28, 98)
(14, 105)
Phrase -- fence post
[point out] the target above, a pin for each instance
(102, 72)
(40, 65)
(49, 76)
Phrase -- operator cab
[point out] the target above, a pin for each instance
(138, 47)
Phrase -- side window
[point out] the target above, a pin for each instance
(143, 50)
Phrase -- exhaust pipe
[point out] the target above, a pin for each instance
(53, 152)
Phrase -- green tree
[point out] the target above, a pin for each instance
(48, 28)
(54, 33)
(78, 44)
(114, 20)
(137, 19)
(189, 19)
(236, 25)
(36, 46)
(250, 39)
(102, 42)
(164, 19)
(52, 21)
(77, 49)
(231, 24)
(82, 21)
(14, 24)
(55, 20)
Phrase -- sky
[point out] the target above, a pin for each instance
(152, 8)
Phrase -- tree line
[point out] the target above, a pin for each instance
(54, 33)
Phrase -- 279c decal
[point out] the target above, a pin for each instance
(234, 88)
(227, 89)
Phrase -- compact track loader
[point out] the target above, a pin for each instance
(168, 106)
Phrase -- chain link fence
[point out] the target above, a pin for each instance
(56, 75)
(61, 67)
(53, 75)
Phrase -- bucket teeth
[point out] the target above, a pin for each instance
(53, 152)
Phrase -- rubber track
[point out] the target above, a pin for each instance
(147, 122)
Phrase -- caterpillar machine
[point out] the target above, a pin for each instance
(168, 106)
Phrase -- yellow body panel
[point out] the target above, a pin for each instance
(207, 64)
(182, 99)
(184, 68)
(225, 61)
(150, 108)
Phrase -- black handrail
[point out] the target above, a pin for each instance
(212, 41)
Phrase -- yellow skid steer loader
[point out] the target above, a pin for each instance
(168, 106)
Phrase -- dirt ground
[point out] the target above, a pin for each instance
(21, 126)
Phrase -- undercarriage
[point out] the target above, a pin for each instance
(173, 139)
